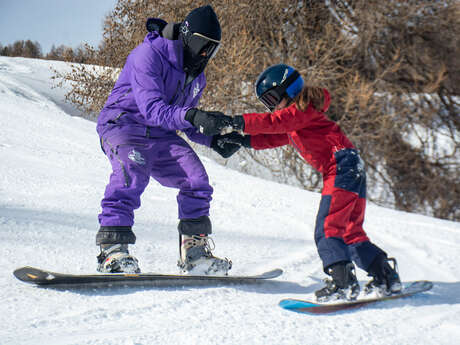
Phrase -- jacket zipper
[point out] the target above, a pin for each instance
(294, 145)
(176, 94)
(179, 98)
(186, 87)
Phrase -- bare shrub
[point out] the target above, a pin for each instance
(392, 68)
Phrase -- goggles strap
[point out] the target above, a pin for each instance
(286, 83)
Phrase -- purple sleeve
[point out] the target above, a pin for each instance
(197, 137)
(192, 133)
(148, 89)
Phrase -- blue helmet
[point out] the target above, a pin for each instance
(277, 82)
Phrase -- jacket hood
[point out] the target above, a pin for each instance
(171, 49)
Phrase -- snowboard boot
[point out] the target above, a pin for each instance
(385, 278)
(115, 258)
(196, 257)
(343, 284)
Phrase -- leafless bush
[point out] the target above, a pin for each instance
(392, 68)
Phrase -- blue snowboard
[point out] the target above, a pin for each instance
(307, 307)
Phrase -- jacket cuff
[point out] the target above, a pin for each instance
(183, 122)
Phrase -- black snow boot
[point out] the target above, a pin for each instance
(385, 278)
(343, 284)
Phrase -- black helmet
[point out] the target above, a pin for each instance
(201, 34)
(277, 82)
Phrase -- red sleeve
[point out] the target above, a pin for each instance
(284, 120)
(268, 141)
(281, 121)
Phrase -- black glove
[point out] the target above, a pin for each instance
(238, 123)
(236, 138)
(222, 145)
(208, 122)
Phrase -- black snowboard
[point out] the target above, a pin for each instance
(46, 278)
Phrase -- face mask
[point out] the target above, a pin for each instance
(198, 50)
(194, 64)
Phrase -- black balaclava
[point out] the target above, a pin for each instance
(201, 20)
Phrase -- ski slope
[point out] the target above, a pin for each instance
(52, 177)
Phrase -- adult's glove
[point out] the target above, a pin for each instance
(208, 122)
(225, 145)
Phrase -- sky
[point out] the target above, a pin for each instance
(68, 22)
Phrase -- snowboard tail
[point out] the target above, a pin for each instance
(46, 278)
(307, 307)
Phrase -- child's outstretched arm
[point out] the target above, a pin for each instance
(279, 122)
(282, 121)
(268, 141)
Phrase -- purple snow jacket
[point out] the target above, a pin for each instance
(150, 95)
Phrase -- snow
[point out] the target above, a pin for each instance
(52, 177)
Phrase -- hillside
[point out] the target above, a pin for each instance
(52, 177)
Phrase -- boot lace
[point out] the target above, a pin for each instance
(196, 246)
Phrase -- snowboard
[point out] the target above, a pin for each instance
(307, 307)
(46, 278)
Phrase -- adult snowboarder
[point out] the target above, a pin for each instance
(297, 118)
(155, 95)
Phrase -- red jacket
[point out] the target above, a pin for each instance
(312, 134)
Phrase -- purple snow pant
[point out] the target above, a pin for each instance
(135, 155)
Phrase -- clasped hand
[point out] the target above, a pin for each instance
(213, 122)
(208, 122)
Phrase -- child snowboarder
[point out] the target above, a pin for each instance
(297, 118)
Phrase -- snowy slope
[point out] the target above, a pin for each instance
(52, 177)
